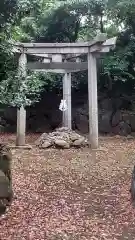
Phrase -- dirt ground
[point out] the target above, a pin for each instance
(75, 194)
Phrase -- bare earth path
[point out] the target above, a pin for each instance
(72, 194)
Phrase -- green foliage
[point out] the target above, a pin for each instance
(63, 21)
(33, 18)
(19, 91)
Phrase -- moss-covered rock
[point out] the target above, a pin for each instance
(5, 177)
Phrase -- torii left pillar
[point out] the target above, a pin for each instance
(21, 112)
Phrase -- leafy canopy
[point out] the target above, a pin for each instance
(64, 21)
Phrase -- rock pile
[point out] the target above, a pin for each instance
(61, 138)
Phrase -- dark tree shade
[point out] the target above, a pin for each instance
(7, 10)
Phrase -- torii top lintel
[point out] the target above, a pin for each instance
(98, 46)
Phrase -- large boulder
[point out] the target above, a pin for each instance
(116, 118)
(122, 129)
(4, 185)
(81, 119)
(46, 144)
(106, 104)
(132, 122)
(105, 121)
(82, 124)
(55, 118)
(78, 142)
(61, 143)
(5, 178)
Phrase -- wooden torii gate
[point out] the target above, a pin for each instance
(65, 58)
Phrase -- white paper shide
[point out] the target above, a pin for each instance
(63, 105)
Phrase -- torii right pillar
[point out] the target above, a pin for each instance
(93, 101)
(67, 118)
